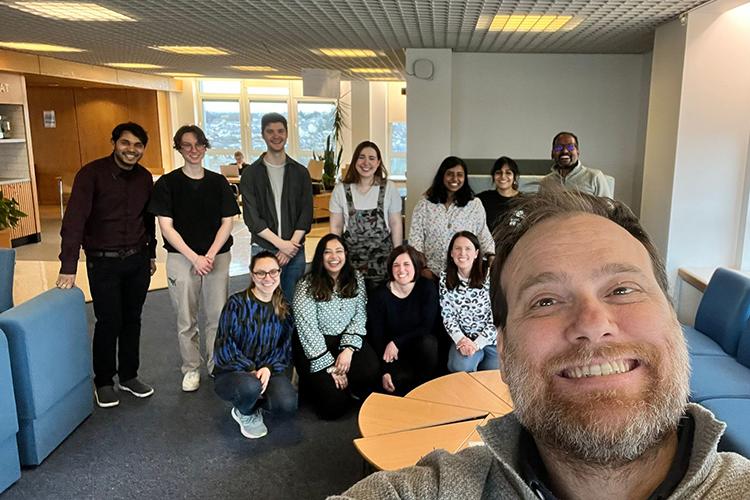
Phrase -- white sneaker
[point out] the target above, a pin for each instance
(191, 381)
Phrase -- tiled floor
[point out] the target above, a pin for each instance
(37, 264)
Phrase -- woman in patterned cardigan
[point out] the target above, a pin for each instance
(253, 349)
(330, 354)
(465, 305)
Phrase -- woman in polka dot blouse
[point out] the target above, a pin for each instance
(332, 359)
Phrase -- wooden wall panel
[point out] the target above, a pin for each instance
(144, 110)
(56, 150)
(85, 119)
(98, 111)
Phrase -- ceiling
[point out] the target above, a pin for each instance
(280, 33)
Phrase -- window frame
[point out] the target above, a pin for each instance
(245, 98)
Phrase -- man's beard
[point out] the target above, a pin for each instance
(604, 428)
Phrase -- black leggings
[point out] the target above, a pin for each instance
(417, 362)
(328, 401)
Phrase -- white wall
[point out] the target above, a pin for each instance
(661, 135)
(707, 214)
(513, 104)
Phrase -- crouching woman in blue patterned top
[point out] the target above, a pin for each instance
(465, 306)
(253, 349)
(330, 354)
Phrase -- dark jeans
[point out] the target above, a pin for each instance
(416, 364)
(118, 289)
(328, 401)
(242, 389)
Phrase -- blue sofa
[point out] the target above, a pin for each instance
(10, 467)
(719, 346)
(7, 266)
(50, 359)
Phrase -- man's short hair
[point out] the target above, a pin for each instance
(131, 127)
(526, 212)
(270, 118)
(200, 136)
(571, 134)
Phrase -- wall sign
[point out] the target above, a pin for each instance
(49, 119)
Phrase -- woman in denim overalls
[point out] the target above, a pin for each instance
(366, 210)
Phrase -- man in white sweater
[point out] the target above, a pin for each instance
(597, 367)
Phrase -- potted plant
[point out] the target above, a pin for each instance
(10, 215)
(332, 160)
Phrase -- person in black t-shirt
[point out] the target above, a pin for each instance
(505, 175)
(195, 208)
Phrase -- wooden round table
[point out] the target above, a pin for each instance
(442, 413)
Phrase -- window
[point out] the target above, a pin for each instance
(314, 123)
(257, 110)
(397, 149)
(221, 123)
(231, 112)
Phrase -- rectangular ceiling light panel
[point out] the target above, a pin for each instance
(254, 68)
(38, 47)
(371, 71)
(70, 11)
(192, 50)
(527, 23)
(134, 65)
(345, 52)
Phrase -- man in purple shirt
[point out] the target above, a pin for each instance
(106, 215)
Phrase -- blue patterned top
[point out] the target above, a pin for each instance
(251, 336)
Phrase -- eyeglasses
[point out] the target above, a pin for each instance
(188, 147)
(568, 147)
(274, 273)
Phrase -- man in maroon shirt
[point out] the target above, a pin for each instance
(106, 215)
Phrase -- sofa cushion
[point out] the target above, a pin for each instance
(700, 344)
(8, 417)
(7, 266)
(724, 310)
(50, 348)
(718, 377)
(734, 412)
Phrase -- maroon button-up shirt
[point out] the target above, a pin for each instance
(107, 211)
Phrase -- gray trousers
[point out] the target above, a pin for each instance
(186, 289)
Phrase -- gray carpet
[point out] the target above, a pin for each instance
(180, 445)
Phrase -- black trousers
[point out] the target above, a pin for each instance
(320, 389)
(118, 290)
(416, 364)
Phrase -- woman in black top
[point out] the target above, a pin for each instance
(505, 176)
(401, 316)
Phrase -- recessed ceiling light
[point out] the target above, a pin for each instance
(254, 68)
(384, 79)
(69, 11)
(283, 77)
(181, 75)
(192, 50)
(38, 47)
(134, 65)
(372, 71)
(346, 52)
(521, 23)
